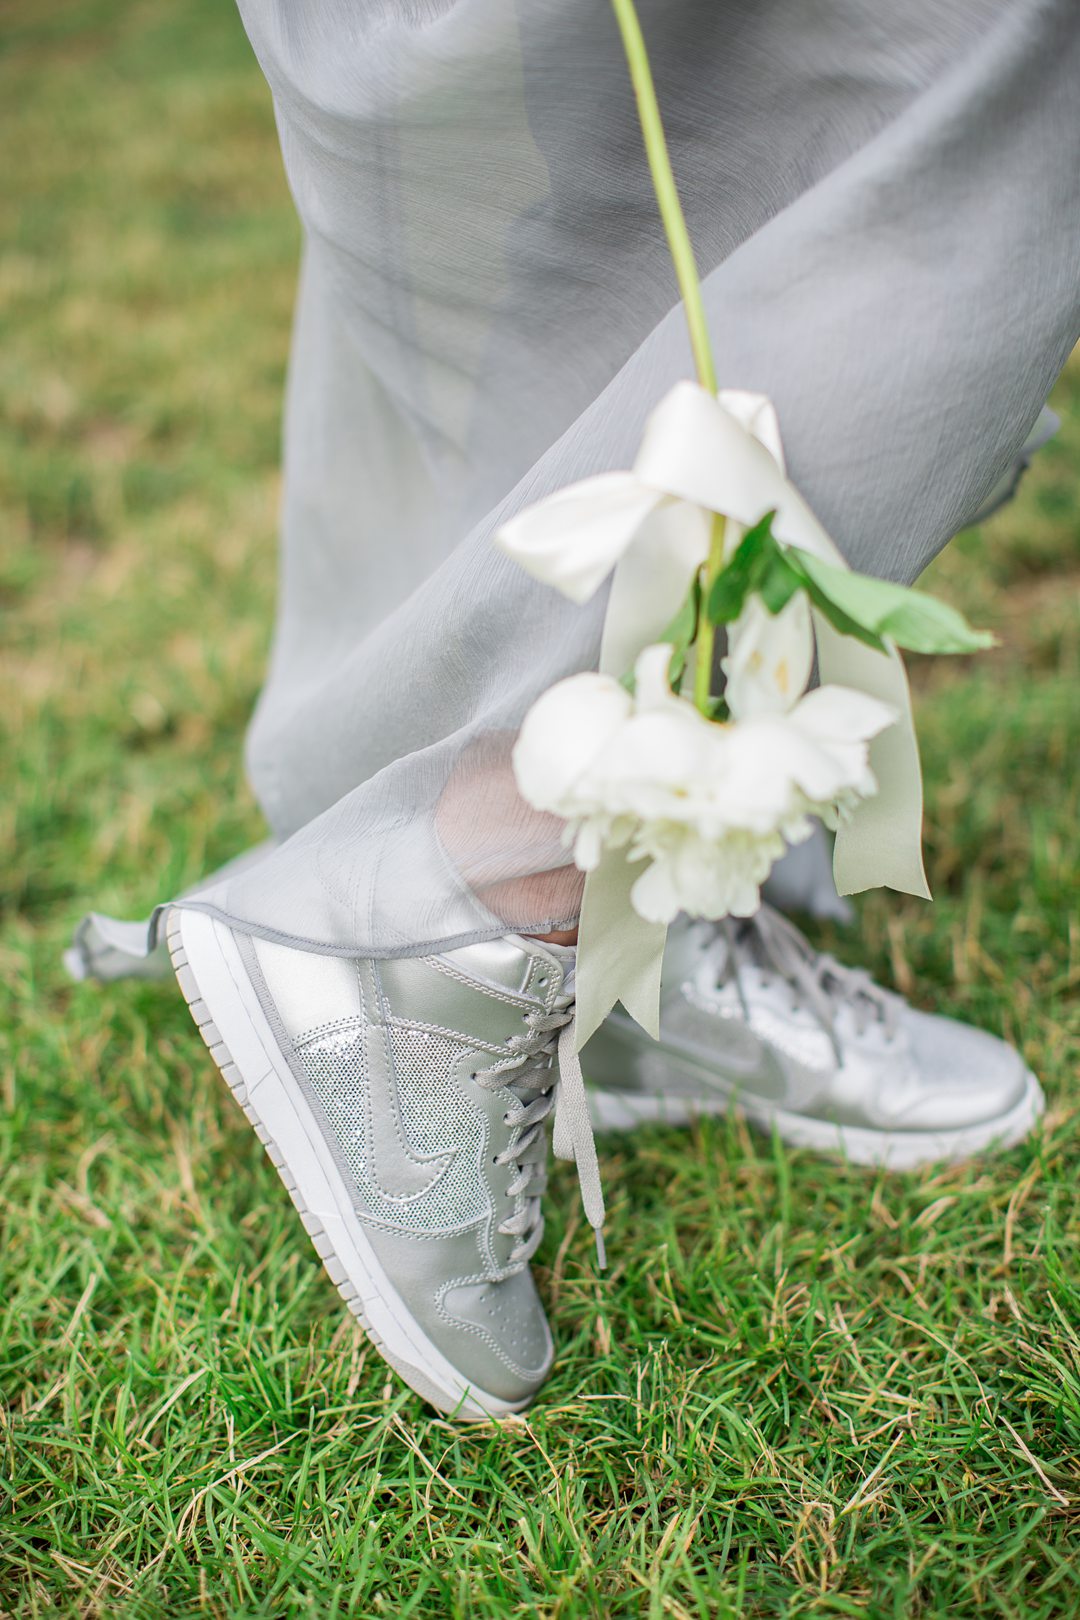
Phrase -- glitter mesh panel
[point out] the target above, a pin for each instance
(436, 1119)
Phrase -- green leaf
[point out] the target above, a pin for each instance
(726, 598)
(742, 572)
(683, 627)
(779, 583)
(874, 608)
(839, 620)
(681, 632)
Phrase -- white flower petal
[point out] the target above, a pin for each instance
(562, 736)
(841, 713)
(652, 690)
(705, 877)
(573, 539)
(696, 449)
(655, 895)
(781, 766)
(660, 764)
(589, 843)
(757, 414)
(769, 659)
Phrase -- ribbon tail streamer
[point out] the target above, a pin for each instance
(880, 843)
(620, 954)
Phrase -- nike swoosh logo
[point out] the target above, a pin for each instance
(755, 1065)
(396, 1169)
(735, 1053)
(727, 1056)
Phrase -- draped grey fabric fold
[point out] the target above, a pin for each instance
(884, 202)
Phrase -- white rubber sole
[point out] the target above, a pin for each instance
(890, 1150)
(231, 1021)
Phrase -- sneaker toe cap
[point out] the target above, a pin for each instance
(966, 1077)
(511, 1345)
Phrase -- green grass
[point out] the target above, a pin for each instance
(801, 1390)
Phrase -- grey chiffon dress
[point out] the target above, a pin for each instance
(884, 200)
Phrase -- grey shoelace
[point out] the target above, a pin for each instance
(550, 1035)
(820, 980)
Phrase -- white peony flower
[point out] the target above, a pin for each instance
(709, 806)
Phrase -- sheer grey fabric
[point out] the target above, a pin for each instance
(884, 201)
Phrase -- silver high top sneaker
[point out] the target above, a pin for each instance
(752, 1016)
(404, 1104)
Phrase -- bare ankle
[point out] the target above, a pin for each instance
(558, 936)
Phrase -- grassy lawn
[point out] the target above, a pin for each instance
(800, 1390)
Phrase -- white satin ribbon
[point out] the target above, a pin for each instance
(702, 455)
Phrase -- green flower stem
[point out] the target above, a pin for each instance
(667, 196)
(686, 274)
(704, 642)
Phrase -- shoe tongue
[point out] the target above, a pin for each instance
(745, 944)
(566, 956)
(751, 946)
